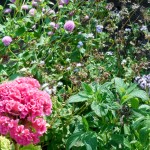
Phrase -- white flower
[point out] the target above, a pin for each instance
(42, 62)
(59, 84)
(44, 85)
(143, 28)
(49, 91)
(109, 53)
(78, 64)
(68, 60)
(123, 62)
(127, 29)
(68, 68)
(23, 69)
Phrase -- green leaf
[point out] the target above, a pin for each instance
(134, 102)
(90, 140)
(14, 76)
(140, 94)
(131, 88)
(120, 86)
(31, 147)
(127, 143)
(126, 129)
(117, 138)
(135, 94)
(87, 88)
(144, 135)
(72, 140)
(85, 123)
(99, 109)
(20, 31)
(77, 98)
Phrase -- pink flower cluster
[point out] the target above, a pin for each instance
(22, 107)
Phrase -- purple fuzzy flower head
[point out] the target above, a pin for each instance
(32, 12)
(69, 25)
(35, 4)
(7, 11)
(50, 33)
(24, 7)
(6, 40)
(61, 2)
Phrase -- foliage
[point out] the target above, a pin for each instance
(88, 70)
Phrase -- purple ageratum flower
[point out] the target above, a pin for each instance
(99, 28)
(24, 7)
(69, 25)
(32, 12)
(80, 44)
(7, 11)
(6, 40)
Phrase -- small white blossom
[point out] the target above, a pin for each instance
(109, 53)
(59, 84)
(68, 68)
(78, 64)
(42, 62)
(123, 62)
(143, 28)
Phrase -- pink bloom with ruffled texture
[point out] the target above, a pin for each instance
(22, 107)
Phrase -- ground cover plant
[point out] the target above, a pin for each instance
(74, 75)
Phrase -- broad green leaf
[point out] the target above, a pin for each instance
(120, 86)
(20, 31)
(144, 107)
(87, 88)
(144, 136)
(140, 94)
(90, 140)
(117, 138)
(77, 98)
(127, 143)
(72, 140)
(135, 102)
(99, 109)
(31, 147)
(131, 88)
(135, 94)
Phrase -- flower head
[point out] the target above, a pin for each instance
(7, 40)
(7, 11)
(32, 12)
(99, 28)
(25, 7)
(22, 107)
(69, 26)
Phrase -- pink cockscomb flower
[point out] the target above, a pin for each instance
(6, 40)
(22, 108)
(32, 12)
(69, 25)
